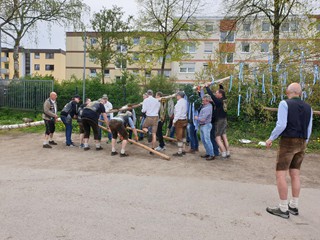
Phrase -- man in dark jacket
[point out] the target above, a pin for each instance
(68, 112)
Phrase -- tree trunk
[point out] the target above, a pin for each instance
(16, 60)
(276, 40)
(103, 66)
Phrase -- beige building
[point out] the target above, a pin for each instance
(34, 62)
(135, 65)
(227, 44)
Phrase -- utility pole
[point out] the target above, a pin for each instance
(0, 56)
(84, 68)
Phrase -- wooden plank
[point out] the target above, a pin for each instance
(143, 146)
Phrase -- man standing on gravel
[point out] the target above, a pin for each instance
(50, 117)
(294, 125)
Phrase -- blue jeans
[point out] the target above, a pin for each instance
(213, 141)
(172, 131)
(192, 133)
(205, 138)
(68, 126)
(100, 130)
(141, 135)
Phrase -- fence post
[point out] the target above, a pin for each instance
(35, 101)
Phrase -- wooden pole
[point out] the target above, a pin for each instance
(143, 146)
(165, 137)
(276, 110)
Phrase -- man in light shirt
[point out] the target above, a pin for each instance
(294, 125)
(151, 106)
(107, 106)
(180, 122)
(50, 117)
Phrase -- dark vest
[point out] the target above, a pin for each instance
(299, 114)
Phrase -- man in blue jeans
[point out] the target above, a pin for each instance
(67, 114)
(192, 128)
(204, 119)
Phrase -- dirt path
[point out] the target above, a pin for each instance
(66, 193)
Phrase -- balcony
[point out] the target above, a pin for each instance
(4, 71)
(4, 59)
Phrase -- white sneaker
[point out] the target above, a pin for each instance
(160, 148)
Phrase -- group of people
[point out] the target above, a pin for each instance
(294, 125)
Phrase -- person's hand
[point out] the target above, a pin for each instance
(196, 117)
(207, 84)
(268, 143)
(136, 138)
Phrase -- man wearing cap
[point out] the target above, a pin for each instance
(107, 106)
(150, 107)
(90, 117)
(50, 117)
(180, 122)
(68, 112)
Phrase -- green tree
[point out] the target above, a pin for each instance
(169, 21)
(27, 13)
(112, 40)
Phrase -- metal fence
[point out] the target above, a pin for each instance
(24, 94)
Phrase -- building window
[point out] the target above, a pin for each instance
(226, 58)
(92, 59)
(121, 48)
(135, 72)
(166, 73)
(93, 72)
(209, 28)
(285, 27)
(6, 76)
(264, 47)
(136, 40)
(190, 48)
(37, 67)
(293, 26)
(247, 27)
(205, 66)
(49, 55)
(135, 57)
(266, 27)
(118, 78)
(6, 65)
(187, 67)
(149, 41)
(121, 63)
(37, 55)
(148, 74)
(208, 46)
(107, 72)
(49, 67)
(93, 41)
(7, 54)
(227, 36)
(245, 47)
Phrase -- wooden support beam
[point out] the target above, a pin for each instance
(165, 137)
(143, 146)
(276, 110)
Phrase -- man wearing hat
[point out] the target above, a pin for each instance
(67, 114)
(107, 106)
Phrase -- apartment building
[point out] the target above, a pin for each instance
(34, 62)
(75, 59)
(227, 44)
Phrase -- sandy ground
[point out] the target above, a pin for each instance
(66, 193)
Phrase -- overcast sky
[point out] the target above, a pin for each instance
(56, 37)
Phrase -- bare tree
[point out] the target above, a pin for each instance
(29, 12)
(277, 12)
(169, 19)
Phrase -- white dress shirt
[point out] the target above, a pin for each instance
(150, 106)
(180, 110)
(108, 106)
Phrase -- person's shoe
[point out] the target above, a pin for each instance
(183, 152)
(71, 145)
(228, 154)
(210, 158)
(277, 212)
(293, 211)
(160, 148)
(86, 148)
(46, 146)
(124, 155)
(193, 151)
(149, 137)
(205, 156)
(177, 154)
(114, 153)
(53, 143)
(99, 148)
(81, 145)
